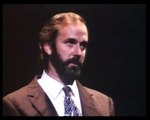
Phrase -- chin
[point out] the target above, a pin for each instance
(72, 73)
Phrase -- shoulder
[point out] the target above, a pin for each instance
(21, 93)
(101, 102)
(92, 92)
(97, 94)
(17, 93)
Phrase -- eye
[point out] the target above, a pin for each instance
(83, 45)
(70, 42)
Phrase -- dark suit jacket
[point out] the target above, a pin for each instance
(31, 100)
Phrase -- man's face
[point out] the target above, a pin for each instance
(69, 51)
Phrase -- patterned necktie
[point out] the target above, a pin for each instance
(69, 105)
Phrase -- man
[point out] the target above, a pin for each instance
(63, 44)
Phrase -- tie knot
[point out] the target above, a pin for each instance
(67, 90)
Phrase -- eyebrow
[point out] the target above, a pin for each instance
(71, 39)
(75, 40)
(84, 42)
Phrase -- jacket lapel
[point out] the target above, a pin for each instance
(87, 102)
(40, 100)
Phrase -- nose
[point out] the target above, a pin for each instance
(77, 51)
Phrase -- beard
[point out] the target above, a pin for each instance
(68, 70)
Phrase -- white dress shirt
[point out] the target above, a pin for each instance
(54, 91)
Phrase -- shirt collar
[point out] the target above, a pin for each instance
(53, 87)
(73, 88)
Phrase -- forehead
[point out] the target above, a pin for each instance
(78, 31)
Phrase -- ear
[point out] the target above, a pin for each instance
(47, 48)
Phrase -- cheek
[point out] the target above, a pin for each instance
(83, 56)
(63, 52)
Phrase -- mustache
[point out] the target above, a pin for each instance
(74, 61)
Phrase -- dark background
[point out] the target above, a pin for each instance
(115, 63)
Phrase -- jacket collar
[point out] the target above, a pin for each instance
(41, 102)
